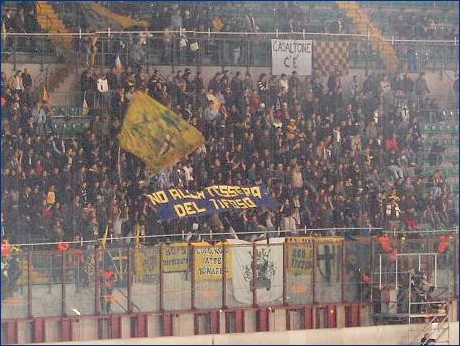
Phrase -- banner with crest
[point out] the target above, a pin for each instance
(268, 278)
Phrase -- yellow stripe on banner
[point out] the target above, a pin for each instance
(156, 134)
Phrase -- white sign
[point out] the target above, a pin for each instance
(269, 270)
(291, 55)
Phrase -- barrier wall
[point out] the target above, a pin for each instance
(293, 271)
(197, 289)
(378, 335)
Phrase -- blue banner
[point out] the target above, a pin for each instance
(179, 203)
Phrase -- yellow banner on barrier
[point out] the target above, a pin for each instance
(209, 261)
(148, 264)
(174, 257)
(300, 255)
(156, 134)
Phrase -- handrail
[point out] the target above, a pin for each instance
(48, 22)
(421, 231)
(224, 33)
(166, 238)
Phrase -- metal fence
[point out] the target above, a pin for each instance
(181, 276)
(207, 48)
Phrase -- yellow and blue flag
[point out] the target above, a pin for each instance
(156, 134)
(216, 104)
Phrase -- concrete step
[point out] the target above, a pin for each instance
(54, 21)
(364, 25)
(60, 94)
(46, 11)
(56, 78)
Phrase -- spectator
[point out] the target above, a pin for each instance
(336, 26)
(250, 22)
(7, 20)
(19, 22)
(103, 90)
(217, 23)
(455, 88)
(435, 154)
(16, 84)
(31, 23)
(421, 87)
(176, 20)
(26, 79)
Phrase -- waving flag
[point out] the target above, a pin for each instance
(216, 104)
(44, 94)
(156, 134)
(118, 65)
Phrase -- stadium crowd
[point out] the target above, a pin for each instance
(333, 155)
(22, 20)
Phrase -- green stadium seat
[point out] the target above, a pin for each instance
(72, 111)
(437, 129)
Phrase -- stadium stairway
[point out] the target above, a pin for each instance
(364, 26)
(49, 21)
(62, 94)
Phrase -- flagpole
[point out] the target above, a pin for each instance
(138, 240)
(118, 164)
(104, 238)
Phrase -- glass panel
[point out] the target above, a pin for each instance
(47, 282)
(357, 270)
(14, 285)
(177, 291)
(176, 276)
(146, 283)
(113, 279)
(80, 283)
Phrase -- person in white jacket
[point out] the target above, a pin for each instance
(103, 90)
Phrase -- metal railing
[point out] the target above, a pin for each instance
(179, 276)
(244, 49)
